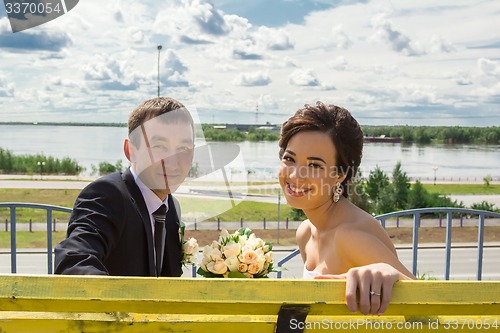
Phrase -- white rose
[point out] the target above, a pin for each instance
(206, 252)
(223, 235)
(203, 265)
(232, 264)
(216, 254)
(190, 247)
(242, 240)
(269, 256)
(231, 250)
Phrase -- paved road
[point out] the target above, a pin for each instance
(431, 262)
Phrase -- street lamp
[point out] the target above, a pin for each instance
(159, 49)
(41, 164)
(435, 170)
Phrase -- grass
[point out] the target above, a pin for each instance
(31, 240)
(249, 210)
(191, 206)
(476, 189)
(447, 189)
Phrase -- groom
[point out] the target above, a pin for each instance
(117, 226)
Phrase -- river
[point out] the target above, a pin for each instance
(89, 145)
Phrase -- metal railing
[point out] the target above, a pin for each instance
(49, 209)
(417, 213)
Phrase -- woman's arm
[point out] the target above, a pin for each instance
(374, 270)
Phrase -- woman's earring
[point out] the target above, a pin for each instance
(338, 192)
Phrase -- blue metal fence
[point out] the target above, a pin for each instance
(49, 209)
(417, 213)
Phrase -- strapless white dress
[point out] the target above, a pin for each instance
(309, 274)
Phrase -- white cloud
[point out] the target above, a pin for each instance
(107, 73)
(274, 39)
(6, 88)
(258, 78)
(376, 55)
(463, 78)
(439, 45)
(171, 63)
(341, 38)
(303, 77)
(489, 67)
(339, 63)
(194, 22)
(136, 35)
(5, 25)
(399, 42)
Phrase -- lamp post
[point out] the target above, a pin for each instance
(159, 49)
(41, 164)
(279, 206)
(435, 170)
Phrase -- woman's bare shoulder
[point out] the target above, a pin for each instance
(303, 232)
(359, 226)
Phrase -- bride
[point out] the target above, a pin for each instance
(320, 150)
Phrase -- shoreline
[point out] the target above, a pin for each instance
(89, 178)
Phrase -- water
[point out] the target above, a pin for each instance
(91, 145)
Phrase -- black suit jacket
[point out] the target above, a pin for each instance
(109, 232)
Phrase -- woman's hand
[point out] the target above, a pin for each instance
(374, 282)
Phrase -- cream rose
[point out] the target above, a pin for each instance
(231, 250)
(253, 268)
(242, 268)
(249, 257)
(217, 267)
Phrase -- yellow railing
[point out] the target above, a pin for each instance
(39, 304)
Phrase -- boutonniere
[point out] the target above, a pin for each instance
(189, 247)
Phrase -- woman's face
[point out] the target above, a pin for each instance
(308, 172)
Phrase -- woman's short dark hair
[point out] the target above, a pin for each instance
(339, 124)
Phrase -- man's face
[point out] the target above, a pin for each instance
(163, 158)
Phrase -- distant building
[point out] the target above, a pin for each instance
(382, 138)
(247, 127)
(219, 127)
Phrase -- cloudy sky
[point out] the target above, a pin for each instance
(388, 62)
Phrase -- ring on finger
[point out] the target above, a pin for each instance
(374, 293)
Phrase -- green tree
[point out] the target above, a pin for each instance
(105, 167)
(384, 203)
(487, 180)
(485, 205)
(377, 180)
(297, 214)
(400, 186)
(417, 197)
(358, 194)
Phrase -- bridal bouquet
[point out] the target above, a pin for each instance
(237, 255)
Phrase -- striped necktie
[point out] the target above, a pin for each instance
(159, 216)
